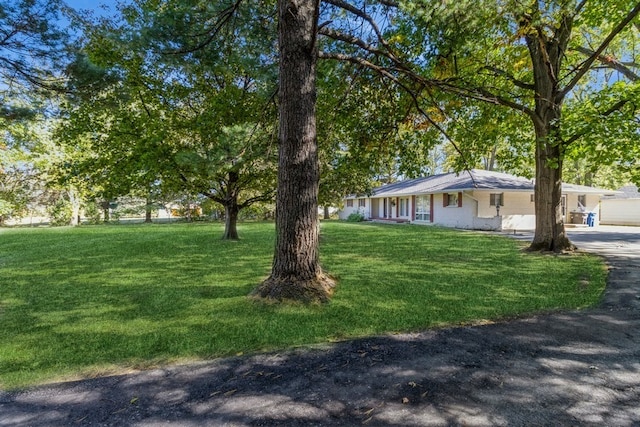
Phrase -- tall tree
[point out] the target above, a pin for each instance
(236, 170)
(525, 56)
(296, 273)
(33, 49)
(190, 105)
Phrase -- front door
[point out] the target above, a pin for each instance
(375, 208)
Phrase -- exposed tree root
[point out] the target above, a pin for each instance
(550, 247)
(318, 290)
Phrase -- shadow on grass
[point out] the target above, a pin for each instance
(562, 369)
(93, 299)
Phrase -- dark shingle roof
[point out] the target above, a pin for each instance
(626, 192)
(475, 179)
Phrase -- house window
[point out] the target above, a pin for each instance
(362, 203)
(582, 201)
(496, 199)
(423, 208)
(452, 199)
(350, 203)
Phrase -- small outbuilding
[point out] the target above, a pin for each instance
(622, 208)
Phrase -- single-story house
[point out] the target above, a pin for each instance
(475, 199)
(622, 208)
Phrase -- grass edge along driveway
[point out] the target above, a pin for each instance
(86, 301)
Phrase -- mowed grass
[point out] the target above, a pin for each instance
(104, 299)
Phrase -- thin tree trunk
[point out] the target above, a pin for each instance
(105, 210)
(327, 214)
(231, 221)
(148, 211)
(296, 273)
(75, 207)
(231, 207)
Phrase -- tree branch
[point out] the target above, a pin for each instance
(615, 107)
(372, 22)
(224, 17)
(348, 38)
(268, 196)
(613, 63)
(586, 65)
(478, 94)
(512, 79)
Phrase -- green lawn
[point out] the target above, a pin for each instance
(100, 299)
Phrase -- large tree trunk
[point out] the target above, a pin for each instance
(296, 273)
(546, 56)
(550, 233)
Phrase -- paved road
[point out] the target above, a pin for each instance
(575, 368)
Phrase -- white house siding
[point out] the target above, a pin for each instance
(348, 210)
(516, 213)
(454, 216)
(620, 212)
(514, 203)
(518, 222)
(488, 224)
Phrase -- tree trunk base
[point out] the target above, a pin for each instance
(556, 247)
(317, 290)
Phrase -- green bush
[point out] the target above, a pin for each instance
(92, 213)
(60, 212)
(355, 217)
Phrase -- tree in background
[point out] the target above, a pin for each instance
(33, 51)
(235, 170)
(186, 107)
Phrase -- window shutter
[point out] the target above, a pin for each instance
(413, 208)
(445, 200)
(459, 199)
(431, 208)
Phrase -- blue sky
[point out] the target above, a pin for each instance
(100, 7)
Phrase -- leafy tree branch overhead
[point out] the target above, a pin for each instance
(529, 57)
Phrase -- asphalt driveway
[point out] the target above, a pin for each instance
(574, 368)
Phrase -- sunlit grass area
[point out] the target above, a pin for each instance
(93, 300)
